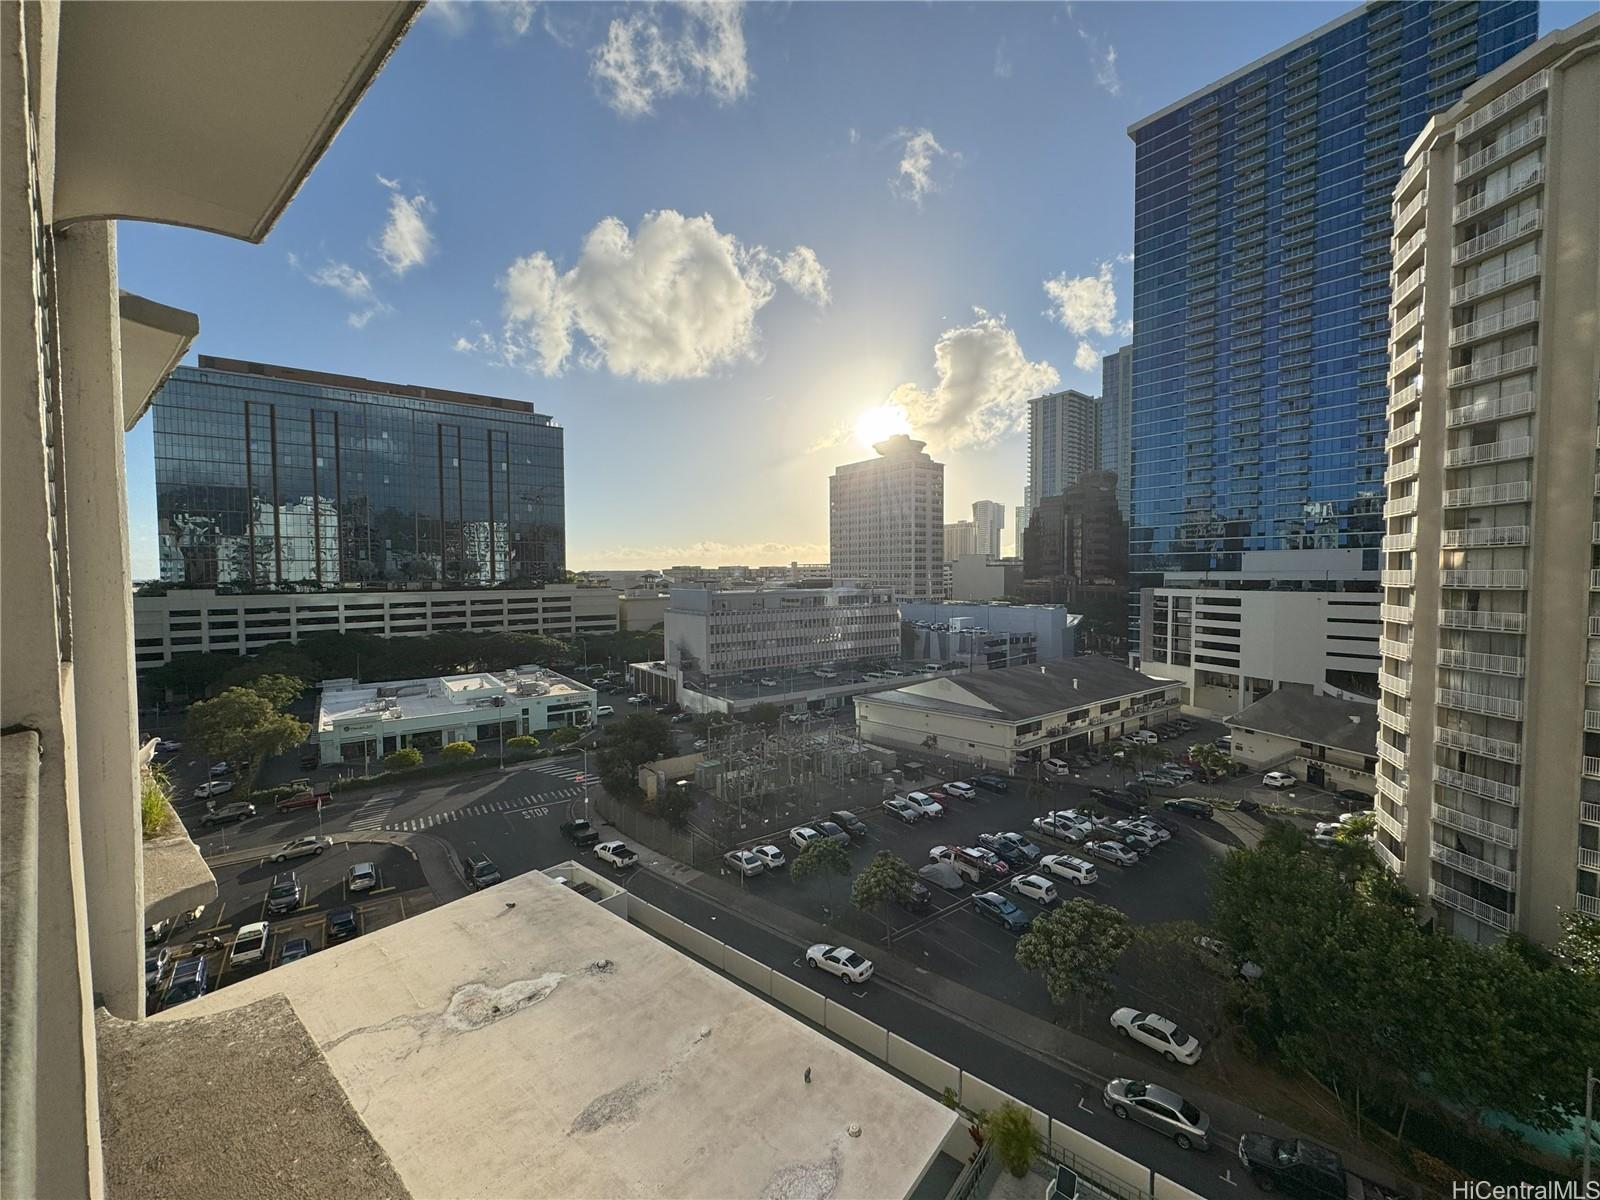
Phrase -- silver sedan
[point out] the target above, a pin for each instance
(1162, 1110)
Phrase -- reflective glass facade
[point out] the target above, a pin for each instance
(1116, 421)
(271, 477)
(1262, 288)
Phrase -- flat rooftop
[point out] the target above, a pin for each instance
(467, 696)
(355, 383)
(525, 1042)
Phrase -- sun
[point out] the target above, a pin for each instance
(875, 424)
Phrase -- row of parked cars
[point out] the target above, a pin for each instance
(929, 803)
(1120, 840)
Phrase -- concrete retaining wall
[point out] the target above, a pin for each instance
(980, 1096)
(929, 1070)
(747, 970)
(798, 997)
(1102, 1158)
(1167, 1190)
(870, 1036)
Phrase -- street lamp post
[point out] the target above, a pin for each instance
(1590, 1079)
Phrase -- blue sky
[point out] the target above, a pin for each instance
(708, 240)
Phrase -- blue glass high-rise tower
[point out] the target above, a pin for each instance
(1261, 283)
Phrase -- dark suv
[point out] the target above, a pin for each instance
(285, 893)
(479, 872)
(853, 825)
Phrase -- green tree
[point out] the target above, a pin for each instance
(674, 806)
(1013, 1137)
(244, 728)
(404, 759)
(763, 714)
(823, 857)
(190, 676)
(280, 658)
(522, 744)
(566, 735)
(1075, 947)
(1579, 947)
(887, 879)
(458, 752)
(635, 740)
(280, 691)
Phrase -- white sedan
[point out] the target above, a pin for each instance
(803, 836)
(903, 809)
(771, 857)
(1278, 779)
(841, 961)
(1036, 888)
(215, 788)
(1160, 1034)
(1057, 827)
(746, 862)
(1112, 852)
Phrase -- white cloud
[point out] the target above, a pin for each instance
(855, 135)
(707, 553)
(642, 61)
(1003, 65)
(350, 283)
(511, 18)
(985, 383)
(676, 300)
(1102, 57)
(920, 159)
(451, 16)
(1086, 358)
(406, 240)
(1084, 303)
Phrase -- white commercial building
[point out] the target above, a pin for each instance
(1229, 647)
(990, 635)
(1014, 718)
(886, 520)
(988, 518)
(195, 620)
(1489, 755)
(357, 721)
(779, 629)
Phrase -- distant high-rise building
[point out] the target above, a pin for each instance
(1077, 543)
(1116, 420)
(989, 517)
(886, 520)
(1261, 282)
(1489, 742)
(960, 537)
(1063, 443)
(1021, 528)
(273, 477)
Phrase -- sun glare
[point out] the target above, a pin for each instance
(885, 420)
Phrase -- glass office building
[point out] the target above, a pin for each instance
(1116, 421)
(273, 477)
(1262, 286)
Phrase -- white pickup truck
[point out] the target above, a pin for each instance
(619, 854)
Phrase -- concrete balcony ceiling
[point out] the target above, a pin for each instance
(154, 339)
(208, 115)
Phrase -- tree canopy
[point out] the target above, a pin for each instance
(1075, 947)
(635, 740)
(887, 879)
(243, 727)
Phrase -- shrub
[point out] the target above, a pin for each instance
(458, 752)
(566, 735)
(522, 744)
(155, 807)
(1010, 1130)
(404, 759)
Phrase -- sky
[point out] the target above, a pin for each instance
(724, 246)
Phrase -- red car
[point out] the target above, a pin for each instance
(938, 794)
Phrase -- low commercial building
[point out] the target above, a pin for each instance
(357, 722)
(1324, 740)
(196, 620)
(719, 633)
(1012, 718)
(641, 611)
(983, 577)
(989, 634)
(1229, 647)
(795, 692)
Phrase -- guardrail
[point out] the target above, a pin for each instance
(1105, 1168)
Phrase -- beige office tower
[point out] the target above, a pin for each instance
(886, 520)
(1489, 746)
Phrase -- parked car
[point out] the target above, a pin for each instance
(1161, 1035)
(919, 899)
(841, 961)
(771, 857)
(240, 810)
(1112, 851)
(1278, 779)
(992, 906)
(1076, 871)
(285, 894)
(1160, 1108)
(1054, 767)
(363, 877)
(168, 746)
(700, 743)
(306, 797)
(961, 791)
(188, 982)
(619, 854)
(218, 770)
(832, 831)
(992, 783)
(1352, 796)
(1013, 847)
(1142, 737)
(746, 862)
(342, 924)
(1132, 834)
(301, 847)
(1150, 825)
(1060, 829)
(1219, 950)
(1190, 806)
(901, 808)
(1302, 1168)
(479, 872)
(249, 944)
(217, 787)
(293, 949)
(803, 836)
(580, 833)
(605, 710)
(926, 803)
(850, 823)
(1036, 888)
(1126, 801)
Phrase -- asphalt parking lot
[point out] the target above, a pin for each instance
(400, 892)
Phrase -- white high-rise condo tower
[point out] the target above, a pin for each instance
(886, 520)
